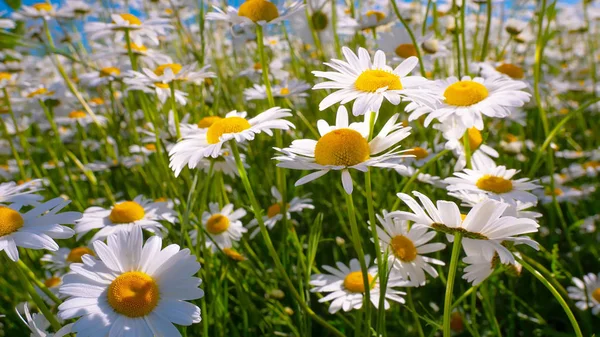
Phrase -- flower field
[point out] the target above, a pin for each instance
(299, 168)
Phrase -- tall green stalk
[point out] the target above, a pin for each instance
(450, 283)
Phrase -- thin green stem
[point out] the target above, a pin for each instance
(412, 37)
(38, 300)
(450, 283)
(488, 27)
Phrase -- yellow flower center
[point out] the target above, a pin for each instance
(259, 10)
(354, 282)
(207, 121)
(5, 76)
(225, 126)
(555, 192)
(511, 70)
(494, 184)
(39, 92)
(406, 50)
(418, 152)
(284, 91)
(511, 138)
(76, 114)
(232, 254)
(465, 93)
(342, 147)
(52, 282)
(108, 71)
(275, 209)
(377, 14)
(97, 101)
(596, 294)
(403, 248)
(217, 224)
(133, 294)
(591, 164)
(140, 48)
(475, 138)
(131, 19)
(10, 221)
(373, 80)
(319, 21)
(76, 253)
(127, 212)
(175, 68)
(42, 6)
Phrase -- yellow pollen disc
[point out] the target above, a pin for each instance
(403, 248)
(511, 138)
(175, 68)
(591, 164)
(10, 221)
(52, 282)
(596, 294)
(76, 254)
(372, 80)
(97, 101)
(40, 91)
(342, 147)
(377, 14)
(494, 184)
(161, 85)
(108, 71)
(232, 254)
(284, 91)
(5, 76)
(465, 93)
(463, 217)
(556, 192)
(224, 126)
(406, 50)
(257, 66)
(207, 121)
(475, 138)
(354, 282)
(217, 224)
(133, 294)
(275, 209)
(259, 10)
(127, 212)
(4, 167)
(131, 19)
(511, 70)
(42, 6)
(418, 152)
(150, 147)
(140, 48)
(168, 11)
(77, 114)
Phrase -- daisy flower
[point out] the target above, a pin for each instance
(586, 292)
(495, 181)
(454, 132)
(147, 55)
(346, 287)
(293, 88)
(79, 117)
(127, 23)
(296, 205)
(194, 147)
(38, 324)
(406, 247)
(260, 12)
(36, 11)
(345, 146)
(223, 226)
(484, 228)
(133, 288)
(124, 216)
(369, 83)
(21, 194)
(519, 209)
(36, 228)
(102, 76)
(61, 259)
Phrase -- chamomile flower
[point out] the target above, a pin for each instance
(38, 324)
(40, 10)
(345, 146)
(260, 12)
(292, 88)
(21, 194)
(124, 216)
(61, 259)
(195, 147)
(223, 226)
(369, 83)
(346, 288)
(397, 43)
(102, 76)
(36, 228)
(133, 288)
(586, 292)
(78, 117)
(406, 246)
(127, 23)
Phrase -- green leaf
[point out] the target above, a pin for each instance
(14, 4)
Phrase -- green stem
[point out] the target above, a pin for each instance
(265, 64)
(412, 37)
(450, 283)
(38, 300)
(467, 146)
(488, 26)
(413, 310)
(37, 282)
(174, 108)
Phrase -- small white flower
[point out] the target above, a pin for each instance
(223, 226)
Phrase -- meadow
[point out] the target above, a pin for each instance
(299, 168)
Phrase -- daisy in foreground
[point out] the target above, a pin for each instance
(406, 247)
(345, 146)
(23, 194)
(346, 288)
(369, 83)
(586, 293)
(223, 226)
(196, 146)
(36, 228)
(39, 325)
(133, 289)
(124, 216)
(484, 228)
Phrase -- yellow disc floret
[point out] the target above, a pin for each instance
(5, 76)
(131, 19)
(207, 121)
(42, 6)
(377, 14)
(342, 147)
(475, 138)
(373, 80)
(354, 282)
(175, 68)
(418, 152)
(225, 126)
(259, 10)
(406, 50)
(76, 253)
(133, 294)
(75, 114)
(511, 70)
(403, 248)
(10, 221)
(110, 71)
(494, 184)
(596, 295)
(465, 93)
(127, 212)
(53, 282)
(232, 254)
(217, 224)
